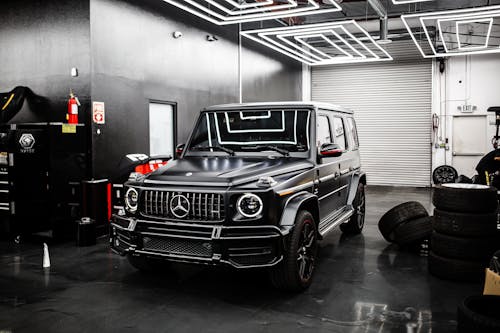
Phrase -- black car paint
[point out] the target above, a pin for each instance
(226, 170)
(315, 183)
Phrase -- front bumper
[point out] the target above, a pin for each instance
(236, 246)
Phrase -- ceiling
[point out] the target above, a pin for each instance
(361, 9)
(355, 32)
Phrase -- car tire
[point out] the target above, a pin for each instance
(413, 231)
(465, 198)
(295, 272)
(479, 314)
(444, 174)
(357, 220)
(147, 265)
(479, 249)
(495, 263)
(455, 269)
(400, 214)
(463, 224)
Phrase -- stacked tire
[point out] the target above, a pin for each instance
(479, 314)
(465, 232)
(407, 224)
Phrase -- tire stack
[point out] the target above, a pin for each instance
(465, 232)
(479, 314)
(407, 225)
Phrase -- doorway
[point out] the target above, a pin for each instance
(469, 142)
(162, 128)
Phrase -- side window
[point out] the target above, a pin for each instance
(323, 131)
(339, 132)
(354, 132)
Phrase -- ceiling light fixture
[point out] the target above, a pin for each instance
(451, 39)
(223, 12)
(402, 2)
(322, 44)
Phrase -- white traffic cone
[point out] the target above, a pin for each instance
(46, 257)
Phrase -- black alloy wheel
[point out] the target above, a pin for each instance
(295, 272)
(444, 174)
(357, 220)
(306, 254)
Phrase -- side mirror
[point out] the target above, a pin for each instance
(179, 150)
(330, 150)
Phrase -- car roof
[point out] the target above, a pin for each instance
(279, 105)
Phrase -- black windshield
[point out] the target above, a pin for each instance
(253, 131)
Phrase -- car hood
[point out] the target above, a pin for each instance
(226, 171)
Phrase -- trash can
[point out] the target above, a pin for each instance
(86, 232)
(96, 202)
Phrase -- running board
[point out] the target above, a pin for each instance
(325, 229)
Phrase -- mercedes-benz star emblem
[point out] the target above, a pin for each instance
(179, 205)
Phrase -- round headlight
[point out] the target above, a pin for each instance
(131, 200)
(249, 205)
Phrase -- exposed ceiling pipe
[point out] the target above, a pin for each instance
(381, 11)
(378, 7)
(374, 25)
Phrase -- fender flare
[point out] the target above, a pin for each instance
(293, 205)
(359, 177)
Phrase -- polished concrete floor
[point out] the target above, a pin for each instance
(362, 285)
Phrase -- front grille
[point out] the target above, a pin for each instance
(186, 247)
(202, 206)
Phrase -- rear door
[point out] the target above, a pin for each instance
(345, 162)
(328, 168)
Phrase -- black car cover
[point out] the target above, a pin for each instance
(12, 102)
(491, 164)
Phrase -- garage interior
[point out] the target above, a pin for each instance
(96, 92)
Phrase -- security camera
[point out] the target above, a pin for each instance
(177, 34)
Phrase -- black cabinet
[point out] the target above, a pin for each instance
(41, 169)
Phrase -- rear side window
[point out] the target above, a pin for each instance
(339, 132)
(351, 124)
(324, 134)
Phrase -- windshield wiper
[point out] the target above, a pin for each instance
(219, 148)
(282, 151)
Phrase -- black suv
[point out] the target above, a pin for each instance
(256, 185)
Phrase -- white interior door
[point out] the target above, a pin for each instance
(161, 129)
(469, 143)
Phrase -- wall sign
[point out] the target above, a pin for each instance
(98, 113)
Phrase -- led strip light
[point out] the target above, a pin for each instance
(222, 12)
(402, 2)
(247, 143)
(322, 44)
(480, 16)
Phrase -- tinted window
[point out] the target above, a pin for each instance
(339, 132)
(324, 133)
(354, 132)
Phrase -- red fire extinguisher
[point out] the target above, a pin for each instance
(73, 104)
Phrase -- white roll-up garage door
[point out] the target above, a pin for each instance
(392, 103)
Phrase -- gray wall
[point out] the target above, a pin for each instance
(40, 41)
(126, 56)
(135, 59)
